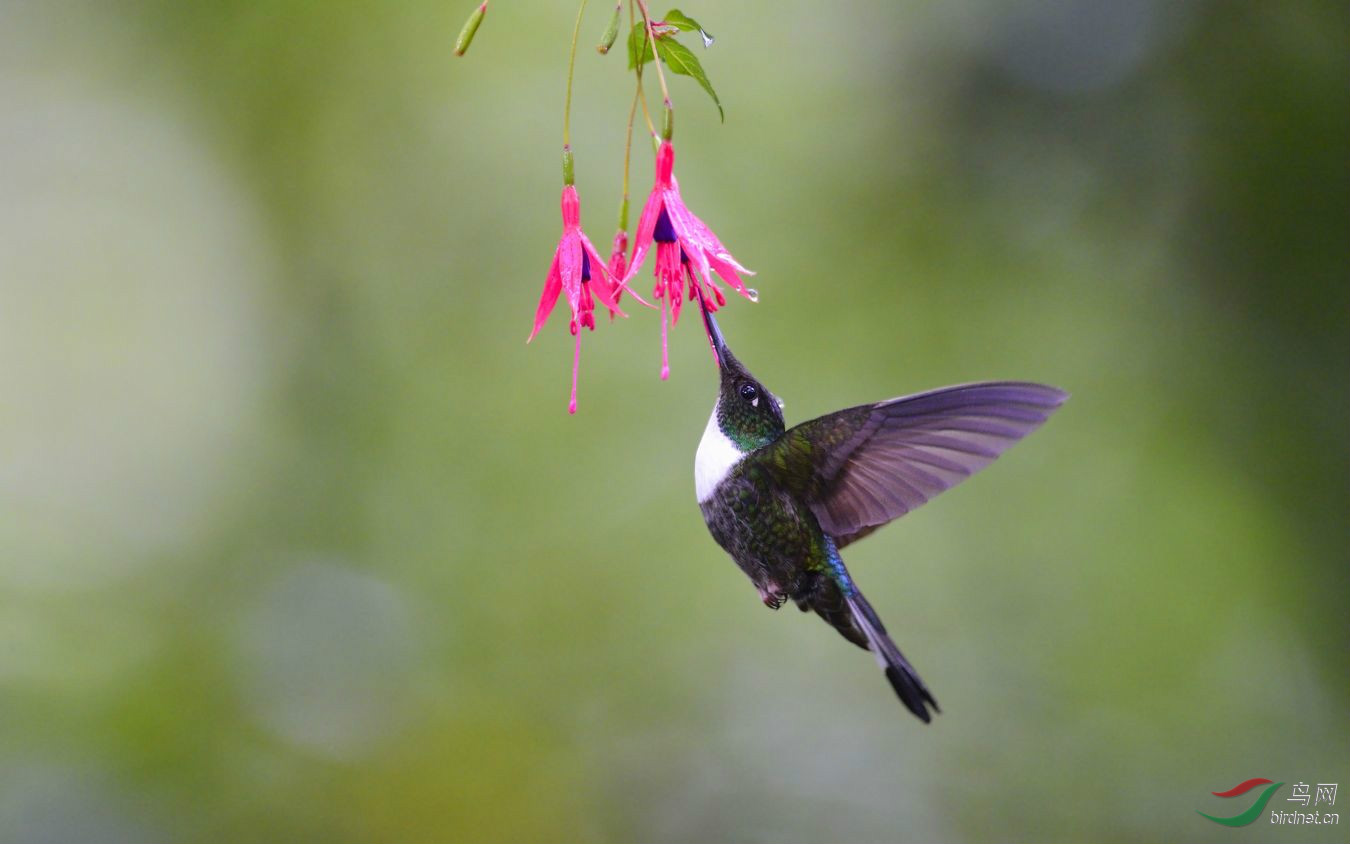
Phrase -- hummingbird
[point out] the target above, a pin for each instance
(784, 502)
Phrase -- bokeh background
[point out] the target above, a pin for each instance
(297, 541)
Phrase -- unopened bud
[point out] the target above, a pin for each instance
(611, 31)
(470, 28)
(618, 263)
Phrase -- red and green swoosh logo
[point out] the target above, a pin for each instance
(1254, 811)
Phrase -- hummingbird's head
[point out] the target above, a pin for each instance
(747, 413)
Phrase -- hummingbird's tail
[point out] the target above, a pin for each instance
(904, 679)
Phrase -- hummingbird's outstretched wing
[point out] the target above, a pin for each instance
(864, 466)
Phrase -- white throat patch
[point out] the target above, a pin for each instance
(715, 457)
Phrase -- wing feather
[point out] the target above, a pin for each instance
(868, 465)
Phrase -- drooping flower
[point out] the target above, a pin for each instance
(580, 272)
(687, 251)
(618, 260)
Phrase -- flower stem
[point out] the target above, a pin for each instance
(642, 95)
(660, 74)
(646, 115)
(571, 65)
(627, 155)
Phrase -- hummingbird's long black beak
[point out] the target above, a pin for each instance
(719, 344)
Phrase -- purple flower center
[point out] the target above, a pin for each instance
(664, 231)
(585, 267)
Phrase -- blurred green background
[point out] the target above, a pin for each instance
(297, 541)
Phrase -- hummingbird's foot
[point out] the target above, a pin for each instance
(772, 598)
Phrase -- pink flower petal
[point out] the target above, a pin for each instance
(601, 284)
(683, 222)
(623, 286)
(725, 257)
(552, 287)
(727, 270)
(569, 268)
(618, 265)
(713, 247)
(645, 230)
(571, 208)
(665, 163)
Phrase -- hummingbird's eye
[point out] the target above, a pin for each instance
(750, 393)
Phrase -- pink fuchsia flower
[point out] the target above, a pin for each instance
(618, 261)
(687, 251)
(580, 272)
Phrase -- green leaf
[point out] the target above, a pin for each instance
(683, 22)
(638, 46)
(680, 59)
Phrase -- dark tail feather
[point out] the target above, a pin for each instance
(904, 679)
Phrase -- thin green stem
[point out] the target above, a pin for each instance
(642, 95)
(646, 114)
(656, 59)
(571, 65)
(627, 154)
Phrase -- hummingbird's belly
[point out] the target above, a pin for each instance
(775, 540)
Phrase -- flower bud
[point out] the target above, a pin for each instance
(618, 263)
(470, 28)
(611, 31)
